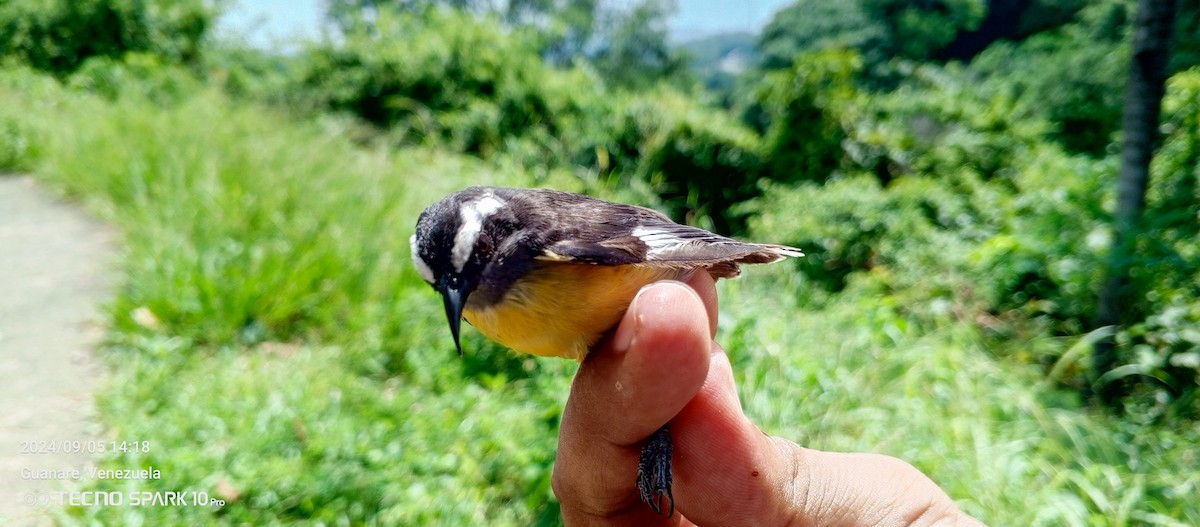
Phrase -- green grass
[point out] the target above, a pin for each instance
(271, 342)
(994, 434)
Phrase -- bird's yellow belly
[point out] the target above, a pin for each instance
(562, 309)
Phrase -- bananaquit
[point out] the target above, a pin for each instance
(549, 273)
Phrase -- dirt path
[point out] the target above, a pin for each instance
(55, 264)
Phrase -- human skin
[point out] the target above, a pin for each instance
(661, 364)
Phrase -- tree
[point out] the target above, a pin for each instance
(633, 51)
(921, 29)
(567, 27)
(348, 15)
(877, 29)
(1143, 106)
(626, 42)
(814, 25)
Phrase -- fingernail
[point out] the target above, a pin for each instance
(627, 329)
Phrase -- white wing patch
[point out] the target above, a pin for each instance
(422, 267)
(657, 240)
(686, 244)
(473, 215)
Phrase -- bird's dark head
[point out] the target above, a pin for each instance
(456, 240)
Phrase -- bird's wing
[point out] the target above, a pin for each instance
(663, 243)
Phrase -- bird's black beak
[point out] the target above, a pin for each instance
(454, 298)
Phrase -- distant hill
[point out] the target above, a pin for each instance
(718, 59)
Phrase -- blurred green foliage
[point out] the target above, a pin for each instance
(810, 25)
(1072, 77)
(624, 42)
(888, 34)
(59, 35)
(271, 336)
(135, 75)
(806, 110)
(635, 53)
(450, 77)
(463, 81)
(919, 30)
(699, 160)
(951, 192)
(1166, 347)
(14, 146)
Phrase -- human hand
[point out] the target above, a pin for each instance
(662, 365)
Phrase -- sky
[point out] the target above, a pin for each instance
(267, 21)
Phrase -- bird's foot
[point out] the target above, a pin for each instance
(654, 472)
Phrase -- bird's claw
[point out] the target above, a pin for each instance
(654, 472)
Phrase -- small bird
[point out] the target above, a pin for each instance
(549, 273)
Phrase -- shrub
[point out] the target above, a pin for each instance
(1055, 77)
(1047, 255)
(443, 75)
(21, 132)
(699, 161)
(1072, 77)
(804, 110)
(1165, 347)
(14, 146)
(919, 30)
(135, 75)
(59, 35)
(973, 208)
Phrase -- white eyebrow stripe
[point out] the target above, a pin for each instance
(422, 268)
(473, 215)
